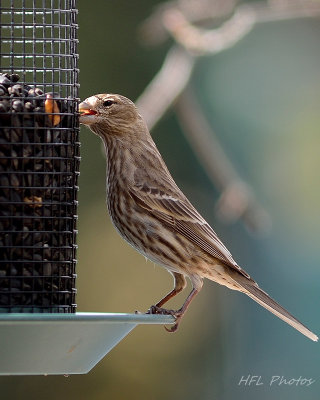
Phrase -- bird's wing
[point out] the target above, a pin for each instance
(172, 208)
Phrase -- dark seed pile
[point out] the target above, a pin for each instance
(38, 177)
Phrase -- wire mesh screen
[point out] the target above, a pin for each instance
(39, 155)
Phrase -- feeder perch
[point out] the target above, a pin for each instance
(40, 330)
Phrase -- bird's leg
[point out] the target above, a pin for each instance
(178, 314)
(179, 284)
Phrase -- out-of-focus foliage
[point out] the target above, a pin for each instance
(262, 98)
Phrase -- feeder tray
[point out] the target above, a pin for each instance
(55, 344)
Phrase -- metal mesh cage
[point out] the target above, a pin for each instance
(39, 155)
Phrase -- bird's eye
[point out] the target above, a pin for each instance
(108, 103)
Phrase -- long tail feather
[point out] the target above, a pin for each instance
(261, 297)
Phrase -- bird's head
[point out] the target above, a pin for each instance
(109, 114)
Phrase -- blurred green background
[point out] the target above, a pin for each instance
(262, 98)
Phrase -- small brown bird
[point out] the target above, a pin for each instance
(153, 215)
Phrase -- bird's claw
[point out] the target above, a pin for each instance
(177, 314)
(161, 311)
(173, 328)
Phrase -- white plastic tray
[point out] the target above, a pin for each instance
(54, 344)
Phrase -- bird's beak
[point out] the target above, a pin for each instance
(84, 109)
(88, 115)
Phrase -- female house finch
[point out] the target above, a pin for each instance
(152, 214)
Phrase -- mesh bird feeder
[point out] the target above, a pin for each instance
(39, 156)
(40, 332)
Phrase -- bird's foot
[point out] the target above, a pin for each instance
(177, 314)
(160, 310)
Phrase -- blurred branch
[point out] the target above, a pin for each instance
(153, 31)
(166, 86)
(177, 68)
(178, 18)
(237, 199)
(246, 16)
(199, 41)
